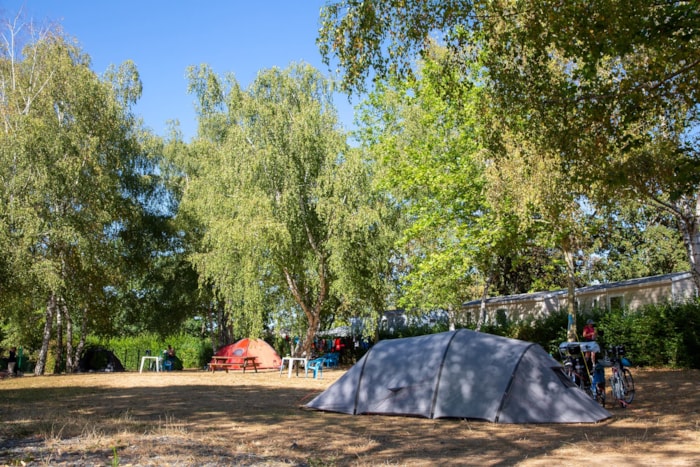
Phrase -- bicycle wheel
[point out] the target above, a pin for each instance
(588, 390)
(616, 388)
(569, 372)
(627, 386)
(600, 394)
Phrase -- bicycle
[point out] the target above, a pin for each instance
(621, 381)
(579, 371)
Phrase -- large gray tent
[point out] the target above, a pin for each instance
(460, 374)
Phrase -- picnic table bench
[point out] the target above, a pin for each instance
(226, 362)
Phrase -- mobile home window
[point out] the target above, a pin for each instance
(468, 318)
(501, 317)
(617, 302)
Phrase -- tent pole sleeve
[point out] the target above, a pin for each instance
(359, 379)
(506, 393)
(439, 375)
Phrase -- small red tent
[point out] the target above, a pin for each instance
(267, 356)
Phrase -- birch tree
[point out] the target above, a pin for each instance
(287, 217)
(68, 156)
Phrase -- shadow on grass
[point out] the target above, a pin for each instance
(254, 424)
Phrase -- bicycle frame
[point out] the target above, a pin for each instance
(621, 381)
(590, 380)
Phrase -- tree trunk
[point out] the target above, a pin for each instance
(311, 332)
(210, 327)
(312, 312)
(58, 362)
(70, 357)
(688, 214)
(227, 335)
(452, 317)
(482, 308)
(314, 323)
(73, 363)
(46, 339)
(81, 342)
(571, 293)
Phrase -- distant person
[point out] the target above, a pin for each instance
(589, 332)
(12, 362)
(169, 358)
(589, 335)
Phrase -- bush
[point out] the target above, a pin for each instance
(548, 332)
(191, 352)
(665, 335)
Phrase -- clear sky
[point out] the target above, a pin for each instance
(164, 37)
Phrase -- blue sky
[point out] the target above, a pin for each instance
(164, 37)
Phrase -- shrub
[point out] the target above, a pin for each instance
(191, 352)
(549, 331)
(657, 335)
(663, 335)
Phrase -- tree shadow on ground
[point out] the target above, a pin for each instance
(259, 419)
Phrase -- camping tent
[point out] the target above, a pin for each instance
(267, 356)
(99, 359)
(460, 374)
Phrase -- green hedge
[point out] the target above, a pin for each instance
(665, 335)
(191, 352)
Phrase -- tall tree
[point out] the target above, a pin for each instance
(610, 87)
(626, 78)
(638, 241)
(269, 182)
(466, 211)
(432, 162)
(68, 156)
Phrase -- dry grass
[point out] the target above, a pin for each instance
(197, 418)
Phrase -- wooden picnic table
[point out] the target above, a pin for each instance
(247, 361)
(232, 361)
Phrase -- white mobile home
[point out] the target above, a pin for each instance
(632, 293)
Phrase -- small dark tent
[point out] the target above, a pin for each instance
(460, 374)
(99, 359)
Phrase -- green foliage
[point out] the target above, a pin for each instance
(285, 214)
(79, 192)
(605, 93)
(413, 330)
(281, 345)
(606, 67)
(191, 351)
(384, 35)
(640, 241)
(656, 335)
(548, 331)
(428, 156)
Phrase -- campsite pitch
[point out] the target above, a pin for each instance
(198, 418)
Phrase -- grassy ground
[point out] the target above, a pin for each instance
(199, 418)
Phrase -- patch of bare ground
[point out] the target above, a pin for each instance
(209, 419)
